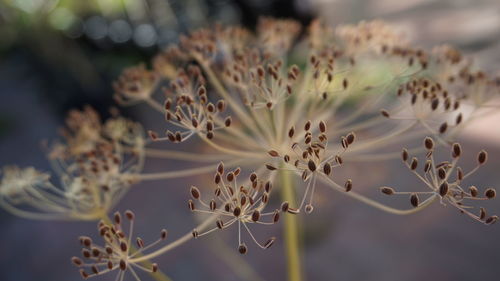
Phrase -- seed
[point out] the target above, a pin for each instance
(457, 150)
(414, 200)
(473, 191)
(163, 234)
(404, 154)
(443, 189)
(76, 261)
(443, 127)
(482, 157)
(322, 127)
(413, 164)
(482, 213)
(236, 211)
(348, 185)
(273, 153)
(227, 122)
(123, 265)
(307, 126)
(195, 192)
(311, 165)
(276, 216)
(130, 215)
(387, 190)
(490, 193)
(270, 167)
(491, 220)
(154, 267)
(441, 173)
(195, 233)
(284, 206)
(255, 216)
(242, 249)
(291, 132)
(327, 169)
(384, 113)
(220, 224)
(220, 168)
(429, 143)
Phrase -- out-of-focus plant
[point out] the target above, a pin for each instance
(280, 110)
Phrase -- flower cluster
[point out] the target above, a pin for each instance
(262, 101)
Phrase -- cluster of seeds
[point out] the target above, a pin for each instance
(444, 179)
(234, 203)
(117, 253)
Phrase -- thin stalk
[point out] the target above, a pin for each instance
(158, 275)
(291, 231)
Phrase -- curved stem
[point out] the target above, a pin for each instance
(330, 183)
(291, 231)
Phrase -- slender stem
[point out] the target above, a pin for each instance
(158, 275)
(291, 231)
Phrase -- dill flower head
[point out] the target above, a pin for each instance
(235, 203)
(93, 165)
(116, 253)
(257, 90)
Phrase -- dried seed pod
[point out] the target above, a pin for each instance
(404, 154)
(242, 248)
(195, 192)
(429, 143)
(443, 189)
(413, 164)
(414, 200)
(482, 157)
(387, 190)
(327, 169)
(273, 153)
(456, 150)
(473, 191)
(311, 165)
(284, 206)
(348, 185)
(490, 193)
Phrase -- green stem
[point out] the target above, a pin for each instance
(158, 275)
(291, 231)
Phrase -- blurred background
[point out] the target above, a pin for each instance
(60, 54)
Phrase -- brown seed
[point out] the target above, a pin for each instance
(441, 173)
(213, 205)
(110, 265)
(84, 274)
(443, 189)
(482, 213)
(307, 126)
(345, 83)
(385, 113)
(237, 211)
(76, 261)
(273, 153)
(473, 191)
(490, 193)
(327, 169)
(350, 138)
(268, 186)
(220, 168)
(123, 246)
(414, 200)
(291, 132)
(139, 242)
(387, 190)
(443, 128)
(456, 150)
(242, 249)
(195, 192)
(413, 164)
(117, 217)
(255, 215)
(322, 127)
(123, 265)
(491, 220)
(311, 165)
(230, 176)
(276, 216)
(228, 122)
(191, 205)
(270, 167)
(482, 157)
(130, 215)
(404, 155)
(429, 143)
(348, 185)
(284, 206)
(195, 233)
(154, 267)
(163, 234)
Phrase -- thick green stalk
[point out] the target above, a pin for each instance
(291, 230)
